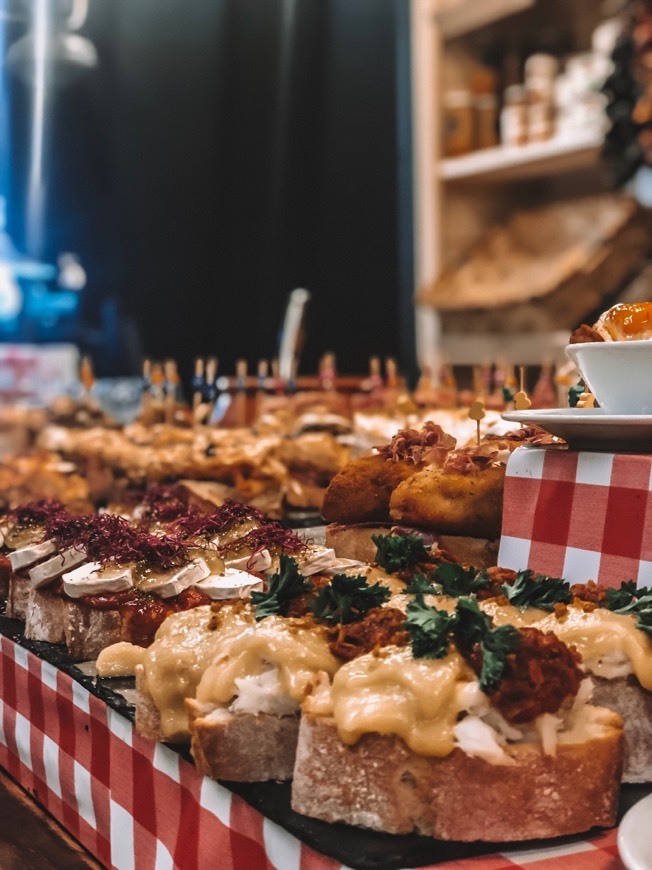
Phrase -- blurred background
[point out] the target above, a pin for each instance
(198, 161)
(433, 171)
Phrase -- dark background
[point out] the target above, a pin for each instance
(221, 154)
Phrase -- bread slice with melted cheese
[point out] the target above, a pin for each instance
(380, 783)
(244, 720)
(242, 748)
(626, 696)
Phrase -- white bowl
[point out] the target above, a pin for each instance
(618, 373)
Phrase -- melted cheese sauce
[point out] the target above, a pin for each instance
(184, 646)
(609, 643)
(393, 693)
(298, 650)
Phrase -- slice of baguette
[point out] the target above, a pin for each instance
(379, 783)
(18, 595)
(627, 697)
(45, 616)
(148, 717)
(242, 747)
(87, 630)
(354, 542)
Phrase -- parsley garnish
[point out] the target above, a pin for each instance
(396, 552)
(543, 592)
(474, 627)
(283, 587)
(420, 585)
(630, 600)
(348, 598)
(495, 647)
(429, 629)
(619, 600)
(456, 580)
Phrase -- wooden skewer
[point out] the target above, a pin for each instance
(171, 385)
(477, 413)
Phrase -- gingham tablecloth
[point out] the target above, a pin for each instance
(134, 803)
(578, 515)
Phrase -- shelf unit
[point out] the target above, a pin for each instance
(457, 18)
(456, 199)
(527, 161)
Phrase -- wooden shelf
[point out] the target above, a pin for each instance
(468, 15)
(527, 161)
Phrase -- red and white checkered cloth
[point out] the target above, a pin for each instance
(134, 803)
(578, 515)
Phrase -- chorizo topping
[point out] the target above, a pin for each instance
(539, 676)
(384, 626)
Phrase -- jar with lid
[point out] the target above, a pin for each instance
(458, 127)
(540, 76)
(513, 116)
(486, 120)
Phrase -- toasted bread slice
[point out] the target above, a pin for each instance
(242, 747)
(627, 697)
(380, 783)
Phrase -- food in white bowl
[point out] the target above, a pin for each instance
(614, 357)
(618, 373)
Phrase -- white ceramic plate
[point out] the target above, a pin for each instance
(591, 428)
(635, 837)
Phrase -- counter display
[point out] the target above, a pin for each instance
(70, 742)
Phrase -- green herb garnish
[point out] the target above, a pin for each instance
(619, 600)
(474, 627)
(630, 600)
(495, 647)
(456, 580)
(348, 598)
(396, 552)
(529, 590)
(420, 585)
(283, 587)
(429, 629)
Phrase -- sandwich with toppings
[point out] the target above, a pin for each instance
(268, 629)
(451, 713)
(610, 628)
(244, 718)
(421, 483)
(92, 581)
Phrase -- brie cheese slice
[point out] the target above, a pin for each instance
(230, 584)
(261, 560)
(170, 584)
(31, 554)
(316, 560)
(93, 578)
(45, 572)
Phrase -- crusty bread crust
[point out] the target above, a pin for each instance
(627, 697)
(148, 717)
(479, 552)
(243, 747)
(44, 619)
(88, 630)
(379, 783)
(18, 596)
(354, 542)
(453, 503)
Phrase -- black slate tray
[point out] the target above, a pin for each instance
(354, 847)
